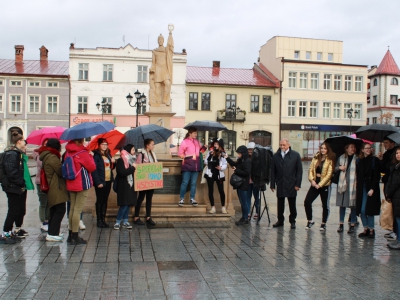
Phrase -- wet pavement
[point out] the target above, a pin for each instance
(201, 261)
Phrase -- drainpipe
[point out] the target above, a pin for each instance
(280, 97)
(69, 110)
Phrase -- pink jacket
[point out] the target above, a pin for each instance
(190, 147)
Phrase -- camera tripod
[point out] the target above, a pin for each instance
(258, 209)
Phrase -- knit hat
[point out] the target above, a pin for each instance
(101, 141)
(251, 145)
(128, 148)
(219, 141)
(242, 149)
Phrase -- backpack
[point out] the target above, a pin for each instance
(44, 185)
(68, 167)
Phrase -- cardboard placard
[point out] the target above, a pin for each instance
(149, 176)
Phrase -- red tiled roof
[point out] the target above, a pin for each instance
(227, 76)
(268, 73)
(388, 66)
(34, 67)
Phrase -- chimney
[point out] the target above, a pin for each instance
(215, 69)
(19, 53)
(216, 64)
(43, 53)
(71, 46)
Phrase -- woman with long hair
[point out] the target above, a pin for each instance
(320, 175)
(216, 165)
(347, 186)
(189, 151)
(102, 180)
(147, 156)
(368, 202)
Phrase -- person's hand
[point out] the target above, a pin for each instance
(100, 185)
(233, 168)
(273, 190)
(317, 186)
(296, 188)
(134, 165)
(370, 193)
(342, 168)
(313, 183)
(113, 160)
(380, 156)
(91, 153)
(182, 156)
(218, 168)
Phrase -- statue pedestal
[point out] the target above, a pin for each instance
(161, 116)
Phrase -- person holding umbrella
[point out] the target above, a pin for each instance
(102, 179)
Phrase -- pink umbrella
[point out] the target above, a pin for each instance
(365, 141)
(37, 137)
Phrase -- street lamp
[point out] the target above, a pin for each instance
(103, 107)
(140, 102)
(234, 111)
(351, 114)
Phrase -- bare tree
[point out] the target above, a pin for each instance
(308, 136)
(179, 133)
(385, 118)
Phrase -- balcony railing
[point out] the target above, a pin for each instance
(228, 116)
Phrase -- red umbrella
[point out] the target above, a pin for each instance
(37, 136)
(113, 137)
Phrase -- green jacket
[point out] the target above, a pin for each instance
(27, 176)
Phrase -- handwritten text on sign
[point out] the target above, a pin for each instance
(149, 176)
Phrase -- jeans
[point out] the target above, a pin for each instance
(44, 211)
(367, 221)
(189, 178)
(312, 194)
(353, 215)
(123, 214)
(16, 211)
(149, 197)
(78, 200)
(244, 203)
(253, 191)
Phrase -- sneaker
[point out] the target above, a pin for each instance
(323, 227)
(44, 226)
(7, 239)
(212, 211)
(193, 202)
(340, 229)
(388, 234)
(81, 225)
(351, 229)
(127, 225)
(255, 217)
(22, 232)
(150, 222)
(138, 222)
(54, 238)
(392, 236)
(116, 226)
(394, 245)
(309, 224)
(181, 203)
(19, 234)
(242, 221)
(224, 210)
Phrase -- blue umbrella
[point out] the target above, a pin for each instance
(85, 130)
(137, 135)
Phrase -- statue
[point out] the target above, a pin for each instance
(161, 71)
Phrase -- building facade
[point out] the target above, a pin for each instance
(246, 101)
(319, 92)
(33, 94)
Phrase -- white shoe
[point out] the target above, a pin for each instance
(54, 238)
(45, 227)
(81, 225)
(224, 210)
(61, 235)
(212, 211)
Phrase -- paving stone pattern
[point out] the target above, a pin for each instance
(201, 261)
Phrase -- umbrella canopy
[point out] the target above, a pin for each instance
(206, 126)
(87, 129)
(337, 143)
(375, 132)
(37, 137)
(395, 137)
(113, 138)
(137, 135)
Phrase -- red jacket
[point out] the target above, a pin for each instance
(83, 180)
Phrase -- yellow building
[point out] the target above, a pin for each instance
(321, 96)
(246, 101)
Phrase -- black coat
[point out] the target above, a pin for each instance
(14, 172)
(99, 174)
(392, 189)
(243, 169)
(286, 173)
(368, 173)
(126, 194)
(385, 164)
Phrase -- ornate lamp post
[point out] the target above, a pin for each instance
(234, 111)
(103, 107)
(140, 102)
(351, 114)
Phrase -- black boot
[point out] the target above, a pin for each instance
(69, 236)
(103, 215)
(76, 240)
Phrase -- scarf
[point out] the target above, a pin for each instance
(343, 184)
(27, 176)
(128, 159)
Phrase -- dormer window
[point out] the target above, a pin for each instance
(394, 81)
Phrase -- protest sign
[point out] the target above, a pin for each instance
(149, 176)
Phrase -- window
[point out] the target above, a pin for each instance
(327, 81)
(266, 105)
(52, 104)
(319, 55)
(292, 109)
(1, 102)
(336, 110)
(393, 99)
(303, 109)
(108, 100)
(358, 83)
(254, 103)
(33, 104)
(107, 72)
(303, 80)
(375, 82)
(292, 79)
(347, 83)
(313, 109)
(308, 55)
(314, 81)
(394, 81)
(142, 74)
(230, 100)
(367, 121)
(1, 82)
(205, 101)
(346, 107)
(326, 110)
(34, 83)
(374, 120)
(337, 85)
(357, 111)
(16, 83)
(397, 121)
(82, 105)
(330, 56)
(52, 84)
(296, 54)
(83, 71)
(193, 101)
(15, 106)
(375, 100)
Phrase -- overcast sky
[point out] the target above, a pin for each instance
(231, 31)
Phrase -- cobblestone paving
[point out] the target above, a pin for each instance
(201, 261)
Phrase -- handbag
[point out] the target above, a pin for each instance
(44, 185)
(236, 181)
(386, 220)
(203, 179)
(335, 177)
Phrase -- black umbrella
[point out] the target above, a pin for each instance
(375, 132)
(337, 143)
(395, 137)
(137, 135)
(206, 126)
